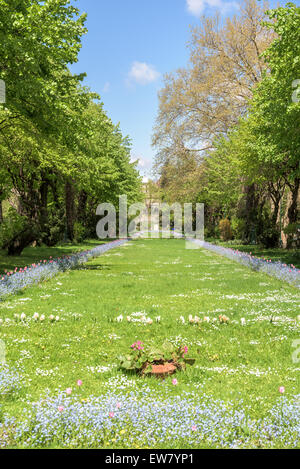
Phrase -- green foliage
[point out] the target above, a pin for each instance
(79, 232)
(54, 131)
(238, 227)
(141, 358)
(11, 227)
(291, 229)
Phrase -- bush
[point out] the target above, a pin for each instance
(79, 232)
(238, 228)
(11, 227)
(53, 230)
(225, 229)
(268, 233)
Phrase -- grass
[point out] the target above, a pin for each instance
(162, 278)
(286, 256)
(33, 255)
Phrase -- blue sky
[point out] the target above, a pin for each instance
(129, 46)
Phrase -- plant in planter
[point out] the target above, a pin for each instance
(149, 360)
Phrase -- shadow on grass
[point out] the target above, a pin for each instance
(286, 256)
(33, 255)
(93, 267)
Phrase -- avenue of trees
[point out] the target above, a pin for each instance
(228, 127)
(60, 154)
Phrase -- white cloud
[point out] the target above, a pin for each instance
(144, 165)
(106, 87)
(197, 7)
(143, 73)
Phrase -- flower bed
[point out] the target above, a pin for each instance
(278, 270)
(140, 418)
(15, 281)
(10, 380)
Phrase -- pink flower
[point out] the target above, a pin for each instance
(60, 408)
(194, 428)
(118, 405)
(174, 382)
(281, 389)
(79, 382)
(111, 414)
(69, 391)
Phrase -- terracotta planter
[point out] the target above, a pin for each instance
(163, 370)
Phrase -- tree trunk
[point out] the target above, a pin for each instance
(70, 209)
(20, 242)
(82, 201)
(43, 219)
(293, 208)
(1, 212)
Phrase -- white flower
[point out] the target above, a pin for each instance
(149, 321)
(17, 317)
(158, 318)
(243, 321)
(182, 320)
(51, 317)
(36, 316)
(23, 317)
(119, 318)
(42, 318)
(1, 321)
(196, 319)
(128, 318)
(57, 318)
(206, 319)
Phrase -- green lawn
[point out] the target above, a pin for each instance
(235, 363)
(33, 255)
(286, 256)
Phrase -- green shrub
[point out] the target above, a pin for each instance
(238, 228)
(12, 225)
(225, 229)
(79, 232)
